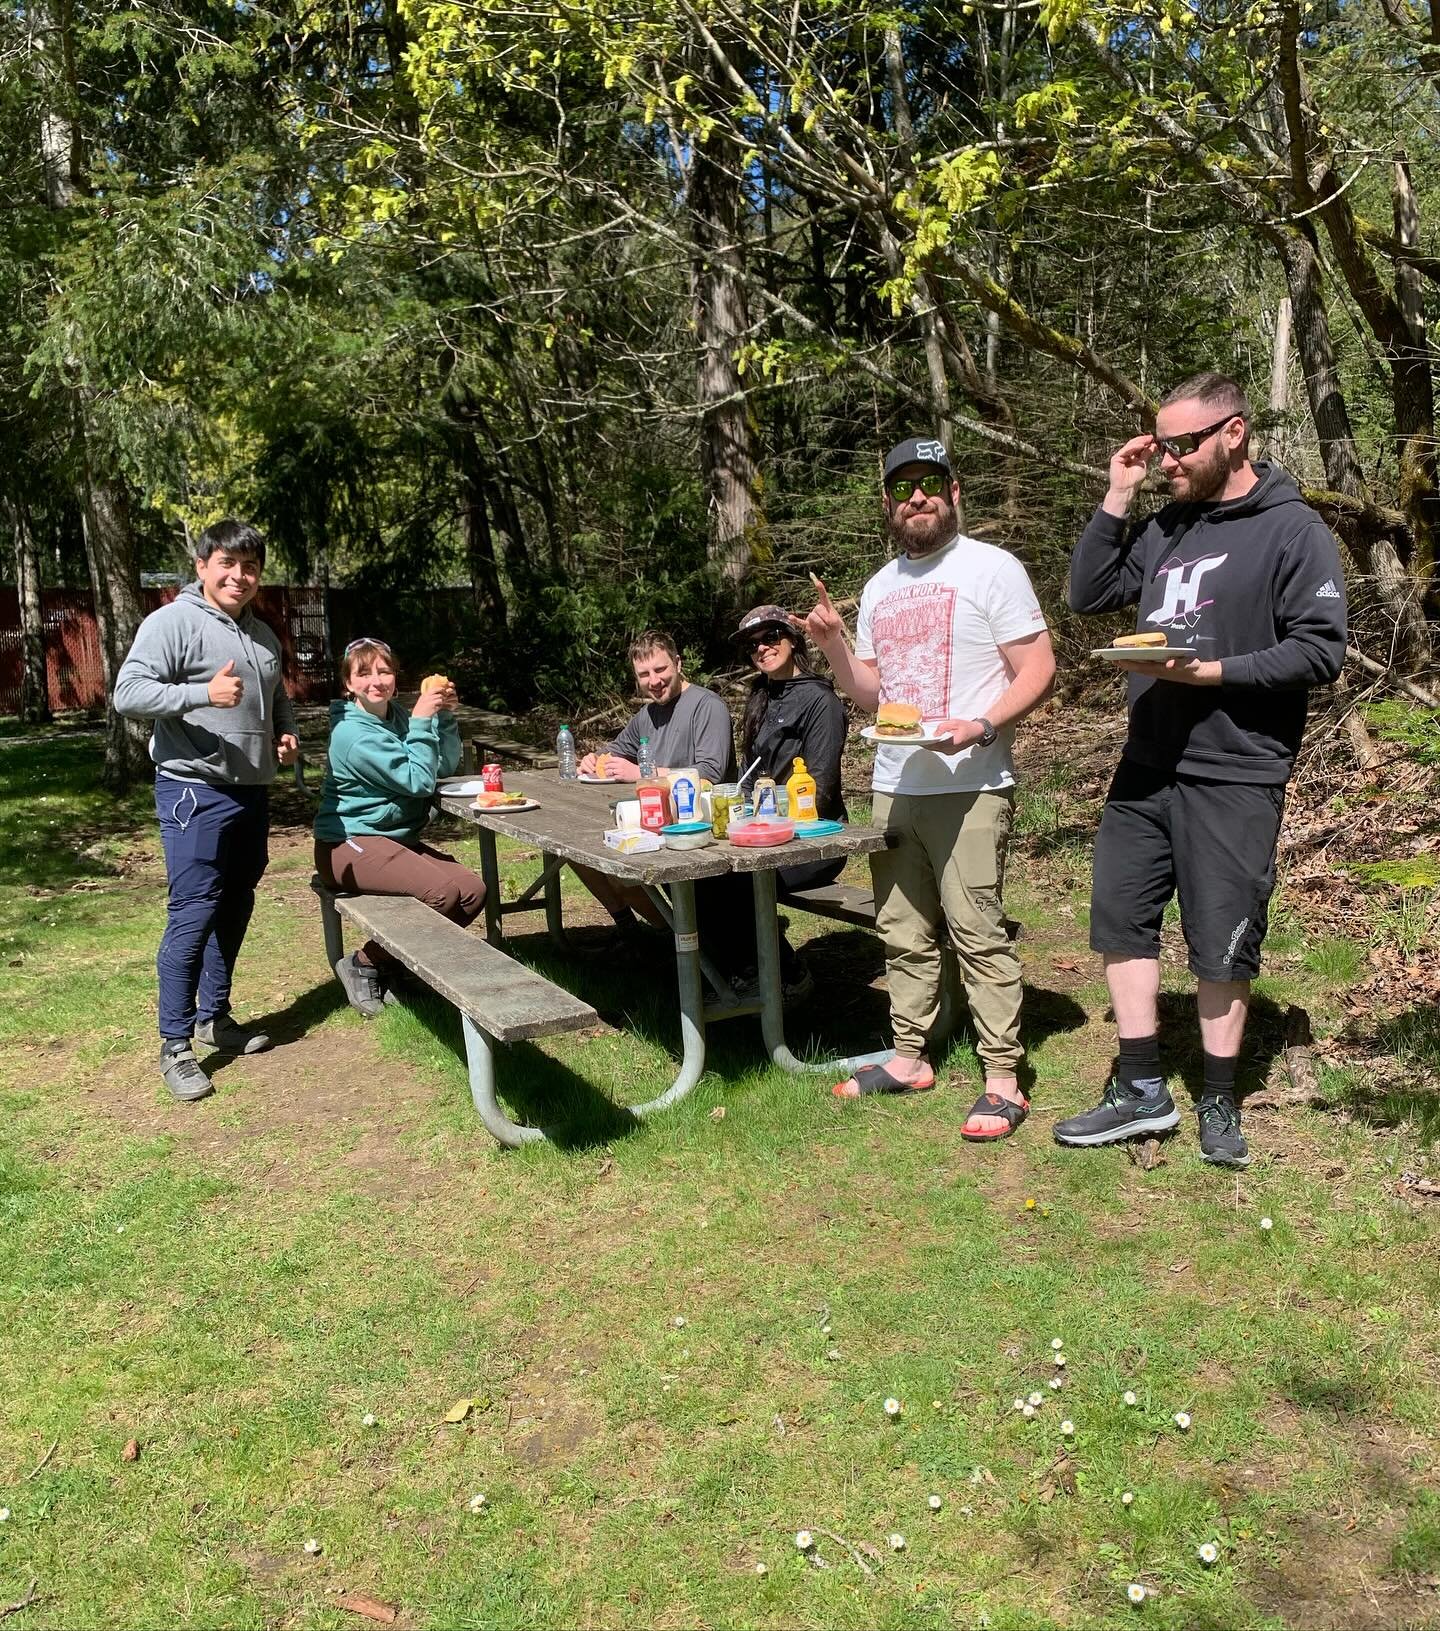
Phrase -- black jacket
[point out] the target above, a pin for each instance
(1255, 582)
(803, 719)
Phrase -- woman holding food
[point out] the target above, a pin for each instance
(790, 713)
(385, 763)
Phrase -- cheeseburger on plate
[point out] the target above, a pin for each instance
(898, 719)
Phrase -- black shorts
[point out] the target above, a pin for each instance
(1213, 843)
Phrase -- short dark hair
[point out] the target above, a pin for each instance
(654, 640)
(1216, 391)
(234, 537)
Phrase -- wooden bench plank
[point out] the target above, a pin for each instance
(842, 901)
(508, 1001)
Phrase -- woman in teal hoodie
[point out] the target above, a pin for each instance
(384, 767)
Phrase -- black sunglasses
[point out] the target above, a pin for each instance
(1181, 447)
(768, 637)
(932, 484)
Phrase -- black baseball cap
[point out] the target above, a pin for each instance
(917, 450)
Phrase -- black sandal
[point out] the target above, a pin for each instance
(991, 1104)
(876, 1079)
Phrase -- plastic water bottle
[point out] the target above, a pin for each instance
(565, 753)
(646, 761)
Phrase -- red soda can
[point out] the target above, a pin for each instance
(491, 777)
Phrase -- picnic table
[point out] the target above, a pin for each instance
(568, 827)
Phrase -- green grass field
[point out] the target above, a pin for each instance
(677, 1337)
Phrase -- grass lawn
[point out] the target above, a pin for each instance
(678, 1338)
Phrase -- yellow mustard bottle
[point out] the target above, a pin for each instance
(801, 788)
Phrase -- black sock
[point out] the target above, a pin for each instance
(1139, 1070)
(1219, 1077)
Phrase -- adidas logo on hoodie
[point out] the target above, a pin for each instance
(1327, 590)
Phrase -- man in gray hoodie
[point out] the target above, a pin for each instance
(206, 670)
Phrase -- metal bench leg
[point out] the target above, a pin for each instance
(333, 931)
(692, 1001)
(480, 1053)
(554, 902)
(772, 1003)
(490, 877)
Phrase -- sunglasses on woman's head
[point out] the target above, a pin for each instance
(932, 484)
(367, 640)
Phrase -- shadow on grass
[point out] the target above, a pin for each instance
(539, 1090)
(1181, 1053)
(1412, 1039)
(286, 1025)
(57, 779)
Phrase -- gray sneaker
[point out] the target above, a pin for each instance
(1221, 1141)
(362, 985)
(224, 1035)
(185, 1079)
(1120, 1114)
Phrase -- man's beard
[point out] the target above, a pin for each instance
(1207, 482)
(923, 534)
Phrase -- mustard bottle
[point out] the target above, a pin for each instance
(801, 788)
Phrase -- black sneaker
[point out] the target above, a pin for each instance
(224, 1035)
(1221, 1141)
(1120, 1114)
(183, 1076)
(362, 985)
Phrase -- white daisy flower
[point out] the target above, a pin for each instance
(936, 1503)
(1036, 1399)
(1018, 1405)
(1128, 1498)
(367, 1420)
(1056, 1383)
(1060, 1360)
(478, 1503)
(1267, 1223)
(1130, 1397)
(1057, 1343)
(1136, 1593)
(1208, 1553)
(1182, 1420)
(804, 1540)
(760, 1568)
(4, 1514)
(1067, 1429)
(1028, 1411)
(678, 1322)
(892, 1407)
(313, 1547)
(897, 1543)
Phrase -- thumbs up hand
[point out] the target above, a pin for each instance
(227, 688)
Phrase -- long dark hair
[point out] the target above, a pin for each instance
(757, 701)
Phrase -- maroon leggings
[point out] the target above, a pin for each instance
(369, 865)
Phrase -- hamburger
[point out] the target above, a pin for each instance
(897, 719)
(1153, 637)
(434, 682)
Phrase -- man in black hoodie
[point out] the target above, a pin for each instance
(1242, 573)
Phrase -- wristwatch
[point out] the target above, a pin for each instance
(988, 733)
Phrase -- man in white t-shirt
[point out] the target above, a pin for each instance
(953, 627)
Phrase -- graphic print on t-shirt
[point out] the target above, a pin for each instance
(911, 633)
(1182, 605)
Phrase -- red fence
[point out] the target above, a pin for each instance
(72, 644)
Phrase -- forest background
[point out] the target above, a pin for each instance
(605, 313)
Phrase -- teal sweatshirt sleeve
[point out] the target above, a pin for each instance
(400, 765)
(451, 750)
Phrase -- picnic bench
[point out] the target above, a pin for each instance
(847, 903)
(499, 1000)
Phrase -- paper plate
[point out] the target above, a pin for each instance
(507, 809)
(600, 781)
(1145, 654)
(926, 739)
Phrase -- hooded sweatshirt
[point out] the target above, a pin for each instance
(178, 650)
(803, 719)
(383, 772)
(1256, 582)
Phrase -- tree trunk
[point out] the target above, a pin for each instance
(1374, 551)
(1279, 382)
(1414, 386)
(34, 682)
(487, 593)
(115, 581)
(727, 430)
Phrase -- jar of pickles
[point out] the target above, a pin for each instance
(722, 796)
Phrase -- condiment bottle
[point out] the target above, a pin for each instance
(685, 794)
(767, 802)
(801, 788)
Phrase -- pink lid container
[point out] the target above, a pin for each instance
(762, 832)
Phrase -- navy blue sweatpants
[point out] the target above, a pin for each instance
(216, 849)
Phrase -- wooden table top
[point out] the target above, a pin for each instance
(573, 817)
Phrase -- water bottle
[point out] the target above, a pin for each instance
(565, 753)
(646, 761)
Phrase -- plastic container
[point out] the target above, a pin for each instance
(818, 829)
(687, 835)
(685, 795)
(761, 833)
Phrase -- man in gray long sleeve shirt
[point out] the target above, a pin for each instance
(206, 670)
(1246, 577)
(686, 724)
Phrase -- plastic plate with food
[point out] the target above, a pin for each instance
(598, 781)
(922, 736)
(503, 803)
(1145, 654)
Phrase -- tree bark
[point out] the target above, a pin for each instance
(1414, 385)
(119, 611)
(34, 681)
(727, 430)
(1279, 382)
(486, 591)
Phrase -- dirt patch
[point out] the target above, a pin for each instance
(1334, 1579)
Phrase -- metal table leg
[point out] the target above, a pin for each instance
(692, 1002)
(718, 983)
(490, 877)
(480, 1054)
(772, 1005)
(554, 904)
